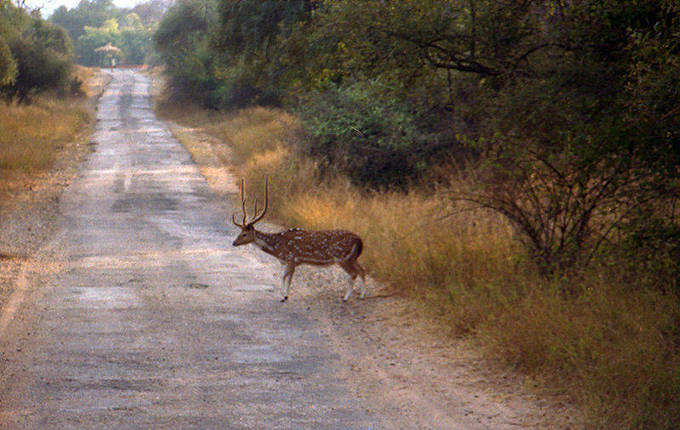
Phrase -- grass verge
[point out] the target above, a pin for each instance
(613, 351)
(32, 135)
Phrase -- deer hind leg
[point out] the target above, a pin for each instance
(351, 270)
(362, 274)
(285, 286)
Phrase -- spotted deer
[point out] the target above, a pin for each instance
(297, 246)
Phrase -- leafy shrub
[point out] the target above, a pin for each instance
(182, 42)
(43, 56)
(8, 65)
(651, 245)
(237, 88)
(375, 142)
(38, 69)
(75, 87)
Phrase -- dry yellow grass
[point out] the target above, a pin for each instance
(31, 136)
(612, 350)
(93, 80)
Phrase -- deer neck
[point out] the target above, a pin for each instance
(268, 242)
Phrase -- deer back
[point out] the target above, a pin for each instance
(319, 247)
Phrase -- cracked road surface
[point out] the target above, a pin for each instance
(140, 313)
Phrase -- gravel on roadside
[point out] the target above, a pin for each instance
(29, 202)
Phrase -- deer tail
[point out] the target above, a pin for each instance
(358, 247)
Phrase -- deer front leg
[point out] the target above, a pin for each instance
(362, 275)
(285, 288)
(363, 288)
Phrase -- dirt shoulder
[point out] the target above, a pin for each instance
(396, 354)
(29, 202)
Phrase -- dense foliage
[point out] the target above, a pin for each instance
(568, 112)
(34, 54)
(104, 34)
(182, 44)
(8, 65)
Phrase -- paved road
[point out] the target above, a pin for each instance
(142, 314)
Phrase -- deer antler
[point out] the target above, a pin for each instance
(266, 203)
(243, 206)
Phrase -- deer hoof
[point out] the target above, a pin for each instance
(283, 300)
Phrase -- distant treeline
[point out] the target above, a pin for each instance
(567, 112)
(104, 34)
(37, 54)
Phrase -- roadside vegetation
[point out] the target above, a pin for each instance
(32, 136)
(44, 101)
(514, 165)
(35, 56)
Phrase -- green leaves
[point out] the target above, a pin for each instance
(374, 141)
(182, 40)
(8, 65)
(98, 23)
(34, 54)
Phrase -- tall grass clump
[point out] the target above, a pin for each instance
(607, 345)
(31, 134)
(615, 352)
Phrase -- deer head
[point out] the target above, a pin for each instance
(247, 227)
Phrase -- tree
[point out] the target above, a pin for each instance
(182, 40)
(151, 12)
(87, 14)
(134, 39)
(8, 65)
(589, 143)
(250, 39)
(94, 38)
(41, 53)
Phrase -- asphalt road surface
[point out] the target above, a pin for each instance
(143, 315)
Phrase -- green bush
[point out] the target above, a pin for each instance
(236, 88)
(651, 244)
(8, 65)
(38, 69)
(43, 56)
(182, 42)
(375, 142)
